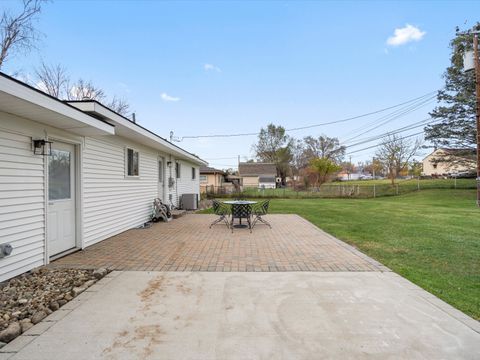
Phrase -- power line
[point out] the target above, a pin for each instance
(412, 126)
(395, 131)
(388, 118)
(315, 125)
(408, 108)
(385, 142)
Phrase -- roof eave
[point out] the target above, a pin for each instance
(127, 128)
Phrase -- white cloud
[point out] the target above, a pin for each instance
(166, 97)
(404, 35)
(211, 67)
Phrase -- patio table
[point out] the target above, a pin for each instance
(233, 203)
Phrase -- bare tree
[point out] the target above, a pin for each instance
(53, 80)
(17, 31)
(85, 90)
(395, 153)
(121, 106)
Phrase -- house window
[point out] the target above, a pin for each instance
(160, 171)
(434, 166)
(203, 178)
(132, 162)
(194, 175)
(177, 170)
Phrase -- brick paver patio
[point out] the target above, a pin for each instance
(187, 244)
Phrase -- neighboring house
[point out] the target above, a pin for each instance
(260, 175)
(100, 179)
(449, 161)
(217, 181)
(211, 178)
(345, 176)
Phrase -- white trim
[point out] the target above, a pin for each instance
(78, 145)
(46, 259)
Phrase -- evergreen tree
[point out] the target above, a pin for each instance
(456, 109)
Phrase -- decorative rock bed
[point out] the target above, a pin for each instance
(27, 299)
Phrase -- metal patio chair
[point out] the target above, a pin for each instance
(260, 210)
(242, 211)
(222, 211)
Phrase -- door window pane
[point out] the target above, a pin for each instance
(160, 170)
(59, 175)
(177, 170)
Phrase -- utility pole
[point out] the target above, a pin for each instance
(477, 93)
(349, 167)
(373, 168)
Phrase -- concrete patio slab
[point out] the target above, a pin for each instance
(226, 315)
(188, 244)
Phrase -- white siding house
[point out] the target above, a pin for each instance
(100, 179)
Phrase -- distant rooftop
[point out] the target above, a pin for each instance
(257, 169)
(210, 170)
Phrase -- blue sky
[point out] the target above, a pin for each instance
(201, 68)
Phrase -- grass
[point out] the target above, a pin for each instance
(431, 237)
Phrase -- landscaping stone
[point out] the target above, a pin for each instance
(77, 291)
(88, 283)
(100, 273)
(11, 332)
(25, 324)
(38, 316)
(28, 298)
(54, 305)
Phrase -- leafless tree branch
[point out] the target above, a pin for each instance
(53, 79)
(18, 32)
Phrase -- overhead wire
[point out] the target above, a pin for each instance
(388, 119)
(395, 131)
(376, 145)
(420, 98)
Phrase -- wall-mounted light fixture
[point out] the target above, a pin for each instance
(42, 147)
(169, 163)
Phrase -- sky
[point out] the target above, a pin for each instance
(203, 68)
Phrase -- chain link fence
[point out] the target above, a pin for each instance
(362, 190)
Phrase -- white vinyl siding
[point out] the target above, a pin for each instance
(113, 203)
(22, 204)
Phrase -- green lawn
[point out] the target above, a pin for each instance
(431, 237)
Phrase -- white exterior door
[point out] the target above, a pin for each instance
(61, 198)
(162, 181)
